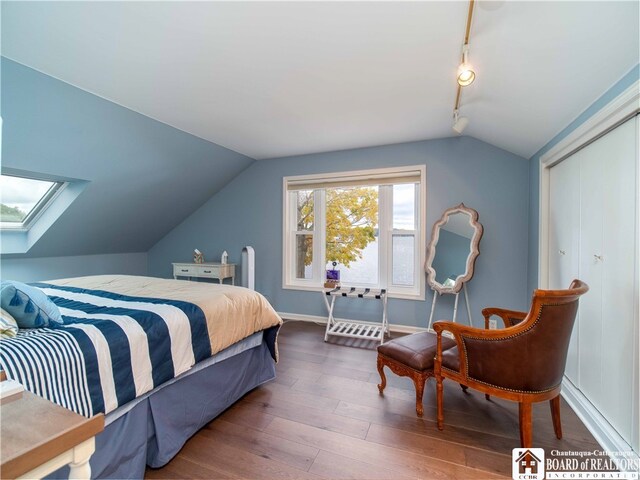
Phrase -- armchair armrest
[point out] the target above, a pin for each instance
(509, 317)
(458, 330)
(463, 334)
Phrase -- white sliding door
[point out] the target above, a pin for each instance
(564, 240)
(618, 158)
(591, 161)
(592, 235)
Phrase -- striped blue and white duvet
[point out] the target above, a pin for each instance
(110, 349)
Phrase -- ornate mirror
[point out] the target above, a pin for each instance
(453, 249)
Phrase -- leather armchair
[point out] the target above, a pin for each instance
(523, 362)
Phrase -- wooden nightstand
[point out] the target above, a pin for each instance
(219, 271)
(39, 437)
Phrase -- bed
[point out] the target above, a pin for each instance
(161, 358)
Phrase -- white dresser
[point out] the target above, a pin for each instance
(219, 271)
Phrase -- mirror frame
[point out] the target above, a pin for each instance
(471, 258)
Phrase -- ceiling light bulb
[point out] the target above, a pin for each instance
(466, 73)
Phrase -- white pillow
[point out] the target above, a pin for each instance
(8, 325)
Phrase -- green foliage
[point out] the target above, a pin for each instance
(11, 214)
(352, 220)
(351, 224)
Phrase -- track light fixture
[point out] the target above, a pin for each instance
(459, 123)
(466, 74)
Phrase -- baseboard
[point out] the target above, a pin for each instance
(318, 319)
(608, 438)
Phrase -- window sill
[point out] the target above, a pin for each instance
(398, 295)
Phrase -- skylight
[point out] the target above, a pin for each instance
(22, 199)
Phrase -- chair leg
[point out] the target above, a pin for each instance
(464, 388)
(383, 379)
(487, 396)
(439, 402)
(419, 382)
(526, 431)
(554, 403)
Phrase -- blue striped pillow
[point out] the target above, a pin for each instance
(30, 306)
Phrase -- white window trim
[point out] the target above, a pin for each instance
(416, 292)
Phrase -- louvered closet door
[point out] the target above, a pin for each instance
(564, 240)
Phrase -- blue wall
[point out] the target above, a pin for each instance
(50, 268)
(248, 211)
(144, 176)
(534, 168)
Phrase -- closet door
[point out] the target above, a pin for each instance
(618, 157)
(607, 252)
(592, 212)
(564, 240)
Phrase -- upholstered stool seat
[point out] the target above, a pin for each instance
(411, 356)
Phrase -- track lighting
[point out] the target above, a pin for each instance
(466, 74)
(459, 123)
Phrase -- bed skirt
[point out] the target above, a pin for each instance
(155, 429)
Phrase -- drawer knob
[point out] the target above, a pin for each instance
(207, 271)
(562, 252)
(183, 270)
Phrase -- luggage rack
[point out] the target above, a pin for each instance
(355, 329)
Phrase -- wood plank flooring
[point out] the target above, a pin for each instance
(323, 418)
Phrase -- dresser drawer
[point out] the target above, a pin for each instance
(218, 271)
(185, 270)
(208, 271)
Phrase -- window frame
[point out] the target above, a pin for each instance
(385, 225)
(39, 208)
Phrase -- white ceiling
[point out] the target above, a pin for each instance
(270, 79)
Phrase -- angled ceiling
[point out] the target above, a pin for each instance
(270, 79)
(142, 177)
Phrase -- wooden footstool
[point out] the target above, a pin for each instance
(411, 356)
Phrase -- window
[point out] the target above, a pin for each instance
(368, 225)
(22, 199)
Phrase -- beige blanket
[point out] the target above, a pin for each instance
(232, 313)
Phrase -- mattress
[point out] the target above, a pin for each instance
(124, 336)
(232, 313)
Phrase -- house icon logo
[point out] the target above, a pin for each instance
(528, 463)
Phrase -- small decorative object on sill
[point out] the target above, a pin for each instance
(332, 277)
(198, 256)
(225, 258)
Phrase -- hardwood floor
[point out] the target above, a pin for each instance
(323, 418)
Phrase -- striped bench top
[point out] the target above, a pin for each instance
(374, 293)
